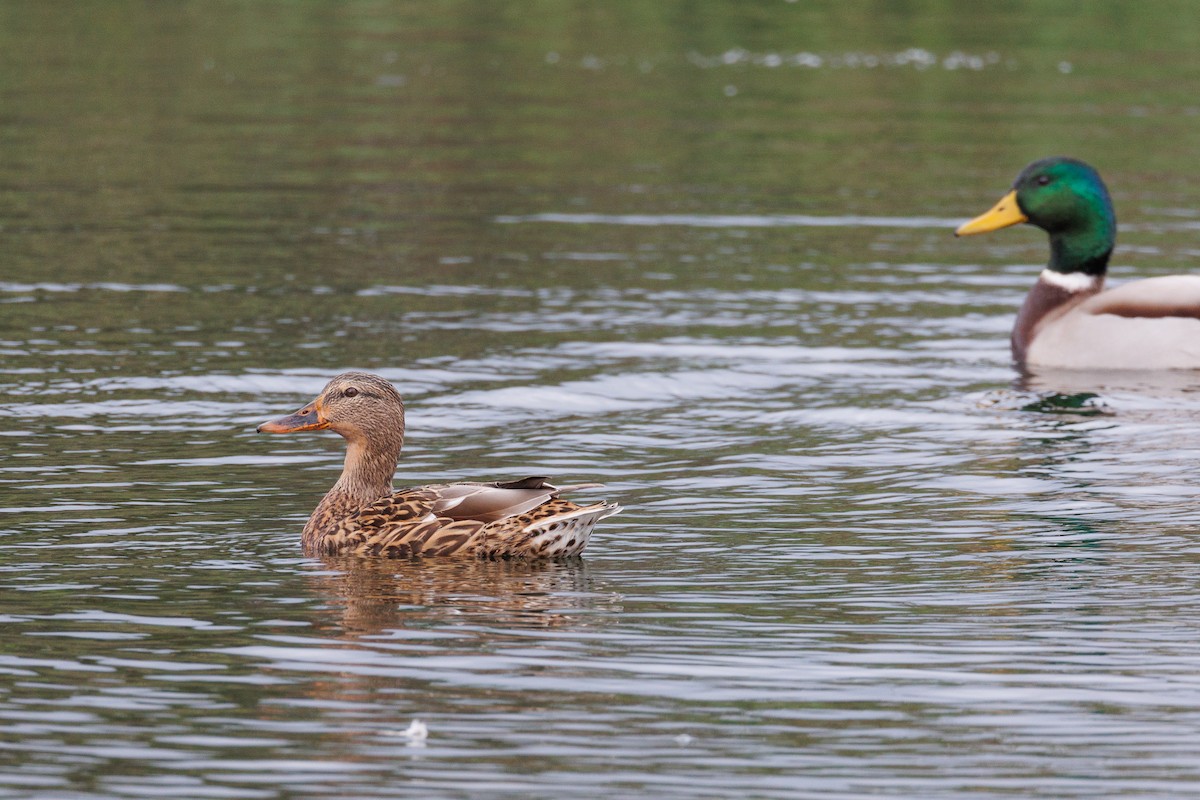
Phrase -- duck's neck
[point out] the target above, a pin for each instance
(366, 477)
(367, 472)
(1085, 244)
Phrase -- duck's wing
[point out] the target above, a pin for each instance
(1152, 298)
(492, 502)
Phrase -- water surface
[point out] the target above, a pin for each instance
(701, 253)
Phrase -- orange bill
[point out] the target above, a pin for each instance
(306, 419)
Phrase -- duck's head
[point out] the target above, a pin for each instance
(360, 406)
(1066, 198)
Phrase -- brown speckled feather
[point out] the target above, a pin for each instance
(405, 524)
(363, 515)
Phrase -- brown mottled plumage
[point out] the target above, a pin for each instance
(364, 515)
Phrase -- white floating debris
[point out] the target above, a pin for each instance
(734, 56)
(913, 57)
(416, 733)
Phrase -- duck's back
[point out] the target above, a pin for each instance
(518, 519)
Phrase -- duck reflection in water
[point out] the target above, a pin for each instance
(375, 596)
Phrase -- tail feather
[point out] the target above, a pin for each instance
(568, 533)
(577, 487)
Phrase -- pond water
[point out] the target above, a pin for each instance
(701, 252)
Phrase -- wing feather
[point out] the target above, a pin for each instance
(1168, 296)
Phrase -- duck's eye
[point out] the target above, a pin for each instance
(350, 392)
(1043, 180)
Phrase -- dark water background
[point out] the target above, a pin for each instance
(700, 251)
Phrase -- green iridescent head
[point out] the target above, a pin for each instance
(1067, 199)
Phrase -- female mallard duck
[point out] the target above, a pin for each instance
(1067, 319)
(364, 515)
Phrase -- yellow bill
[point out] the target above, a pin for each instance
(1003, 214)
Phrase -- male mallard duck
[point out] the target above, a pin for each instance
(364, 515)
(1067, 319)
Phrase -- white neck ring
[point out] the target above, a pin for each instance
(1071, 281)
